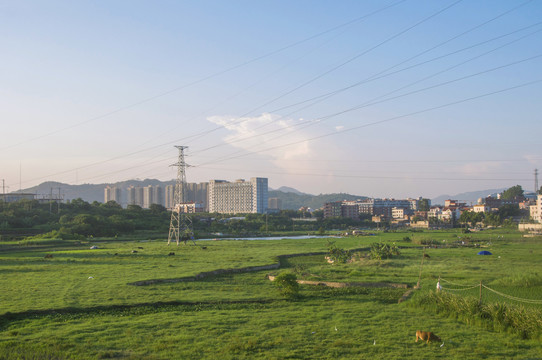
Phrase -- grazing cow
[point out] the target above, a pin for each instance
(134, 251)
(171, 254)
(116, 254)
(204, 247)
(426, 336)
(140, 247)
(49, 256)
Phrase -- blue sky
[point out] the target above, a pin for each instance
(378, 98)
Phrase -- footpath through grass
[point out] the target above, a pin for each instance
(51, 309)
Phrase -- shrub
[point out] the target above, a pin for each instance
(336, 254)
(287, 285)
(426, 241)
(381, 251)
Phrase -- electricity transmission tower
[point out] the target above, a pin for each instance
(180, 227)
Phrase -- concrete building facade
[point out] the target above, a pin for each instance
(194, 193)
(238, 197)
(535, 211)
(112, 193)
(274, 204)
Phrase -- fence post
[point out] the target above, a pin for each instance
(421, 267)
(480, 301)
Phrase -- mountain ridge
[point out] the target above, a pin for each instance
(292, 199)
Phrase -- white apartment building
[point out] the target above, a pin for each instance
(131, 195)
(398, 213)
(434, 212)
(147, 196)
(112, 193)
(536, 210)
(170, 196)
(152, 195)
(238, 197)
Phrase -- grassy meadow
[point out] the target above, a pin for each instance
(78, 304)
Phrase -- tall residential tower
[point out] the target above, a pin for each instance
(238, 197)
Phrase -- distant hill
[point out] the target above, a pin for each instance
(293, 201)
(468, 197)
(87, 192)
(286, 189)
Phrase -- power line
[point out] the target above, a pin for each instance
(384, 120)
(376, 177)
(373, 78)
(375, 102)
(208, 77)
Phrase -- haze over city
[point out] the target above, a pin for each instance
(379, 98)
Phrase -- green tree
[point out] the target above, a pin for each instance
(319, 214)
(509, 210)
(513, 192)
(423, 205)
(471, 217)
(492, 219)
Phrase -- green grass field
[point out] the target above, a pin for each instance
(79, 304)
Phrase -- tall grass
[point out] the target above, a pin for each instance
(520, 280)
(526, 322)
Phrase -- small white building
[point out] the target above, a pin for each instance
(434, 212)
(398, 213)
(481, 208)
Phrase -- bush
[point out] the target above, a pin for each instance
(336, 254)
(381, 251)
(287, 285)
(426, 241)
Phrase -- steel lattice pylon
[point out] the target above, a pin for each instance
(180, 227)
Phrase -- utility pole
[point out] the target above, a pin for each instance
(536, 188)
(59, 201)
(3, 193)
(180, 226)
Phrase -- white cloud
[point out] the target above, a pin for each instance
(532, 159)
(268, 131)
(479, 168)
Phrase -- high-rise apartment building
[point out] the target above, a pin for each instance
(112, 193)
(157, 195)
(194, 193)
(238, 197)
(131, 195)
(169, 196)
(152, 195)
(274, 203)
(147, 196)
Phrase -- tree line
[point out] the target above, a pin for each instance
(80, 219)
